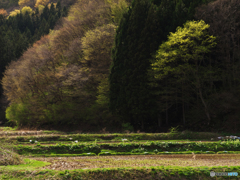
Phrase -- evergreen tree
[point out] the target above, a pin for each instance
(64, 12)
(183, 58)
(52, 9)
(130, 95)
(44, 27)
(36, 22)
(28, 22)
(143, 28)
(37, 11)
(51, 21)
(28, 33)
(2, 19)
(20, 22)
(59, 9)
(45, 13)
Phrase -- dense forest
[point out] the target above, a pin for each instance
(135, 65)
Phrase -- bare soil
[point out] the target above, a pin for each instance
(86, 162)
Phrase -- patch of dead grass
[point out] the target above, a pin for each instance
(63, 163)
(8, 157)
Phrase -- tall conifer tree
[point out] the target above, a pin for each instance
(130, 94)
(143, 28)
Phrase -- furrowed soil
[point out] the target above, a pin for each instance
(86, 162)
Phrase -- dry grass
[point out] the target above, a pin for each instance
(8, 157)
(62, 163)
(19, 133)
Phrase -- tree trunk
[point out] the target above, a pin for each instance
(201, 96)
(183, 110)
(205, 106)
(167, 113)
(159, 120)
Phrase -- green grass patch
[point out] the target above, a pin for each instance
(28, 164)
(154, 173)
(133, 147)
(58, 136)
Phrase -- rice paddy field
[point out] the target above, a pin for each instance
(59, 155)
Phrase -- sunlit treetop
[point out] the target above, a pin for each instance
(187, 44)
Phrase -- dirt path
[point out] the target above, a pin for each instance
(69, 163)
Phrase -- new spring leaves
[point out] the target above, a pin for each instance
(187, 45)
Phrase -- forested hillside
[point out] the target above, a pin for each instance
(15, 5)
(19, 31)
(164, 75)
(57, 80)
(141, 65)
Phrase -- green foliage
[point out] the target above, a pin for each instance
(127, 127)
(143, 28)
(30, 164)
(54, 115)
(118, 9)
(187, 45)
(151, 147)
(130, 96)
(14, 13)
(64, 75)
(97, 44)
(55, 137)
(64, 82)
(174, 129)
(103, 92)
(183, 61)
(18, 32)
(26, 9)
(17, 113)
